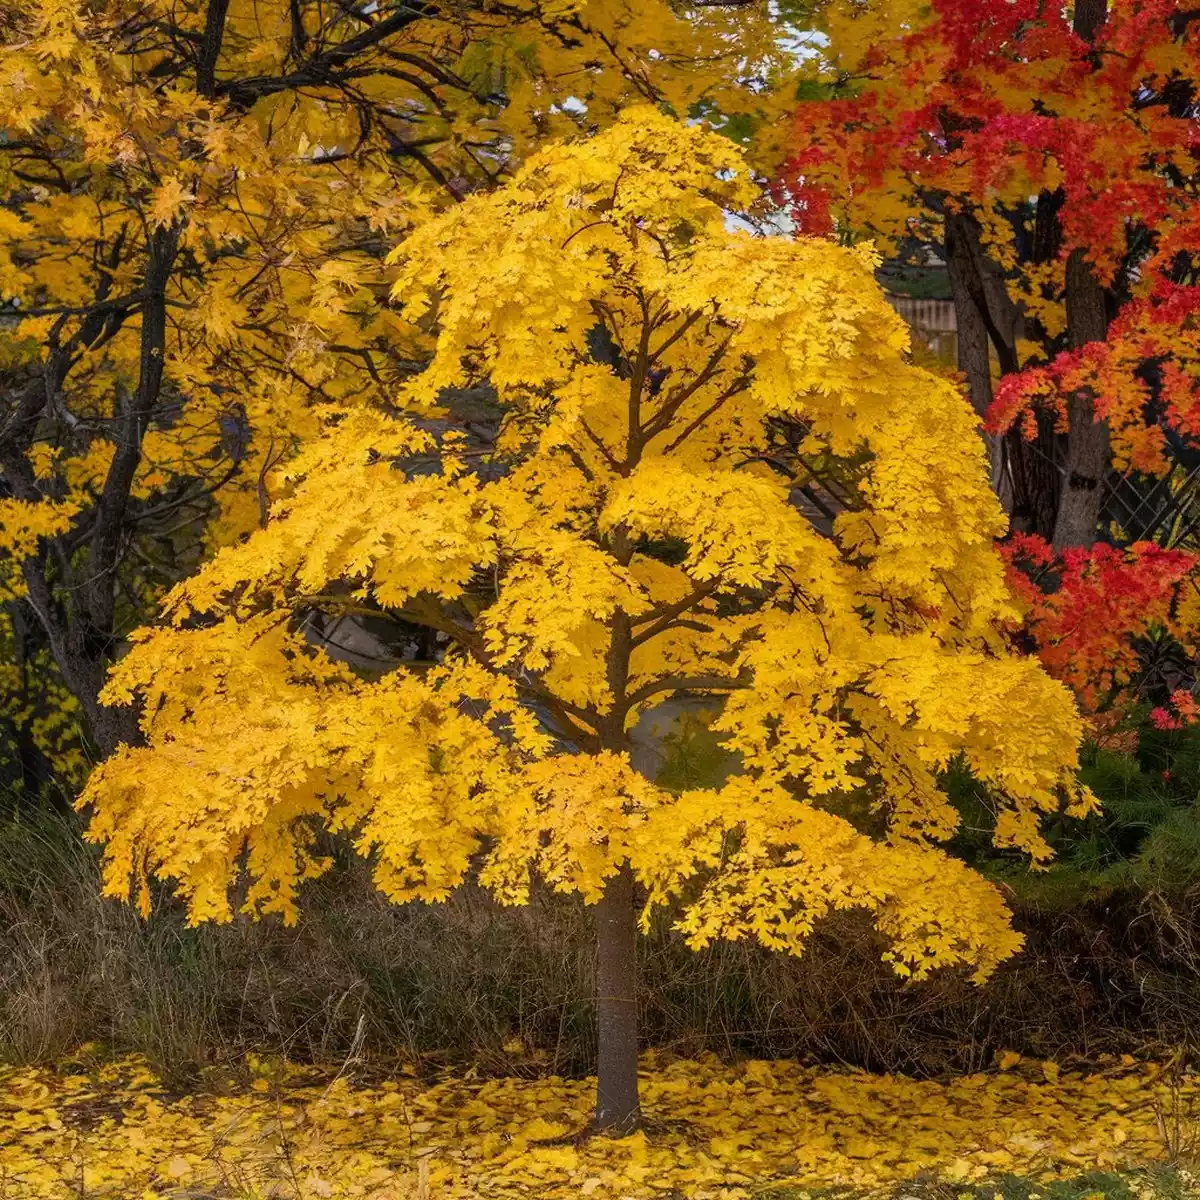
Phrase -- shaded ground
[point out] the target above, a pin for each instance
(759, 1129)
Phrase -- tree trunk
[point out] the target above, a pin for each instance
(981, 297)
(1087, 438)
(974, 361)
(1024, 473)
(618, 1111)
(1087, 458)
(1089, 16)
(1036, 480)
(1087, 464)
(113, 727)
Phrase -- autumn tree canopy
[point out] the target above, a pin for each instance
(195, 203)
(625, 530)
(1048, 154)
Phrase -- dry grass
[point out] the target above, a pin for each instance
(509, 990)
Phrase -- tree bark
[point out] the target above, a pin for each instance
(1089, 16)
(1087, 457)
(974, 360)
(979, 291)
(1087, 438)
(1024, 472)
(618, 1109)
(1036, 480)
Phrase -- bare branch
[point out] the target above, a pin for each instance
(663, 616)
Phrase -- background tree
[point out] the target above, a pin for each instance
(195, 201)
(627, 535)
(1046, 153)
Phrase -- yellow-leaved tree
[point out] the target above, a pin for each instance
(625, 529)
(196, 198)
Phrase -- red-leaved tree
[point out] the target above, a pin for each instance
(1047, 155)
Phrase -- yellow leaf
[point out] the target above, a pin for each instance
(178, 1167)
(168, 201)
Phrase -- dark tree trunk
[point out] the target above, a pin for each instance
(1024, 472)
(974, 361)
(981, 295)
(1087, 456)
(1035, 464)
(618, 1110)
(973, 358)
(1089, 16)
(113, 727)
(1036, 480)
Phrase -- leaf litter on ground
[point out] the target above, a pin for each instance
(112, 1131)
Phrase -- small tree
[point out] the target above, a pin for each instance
(624, 531)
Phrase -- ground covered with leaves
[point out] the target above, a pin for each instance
(758, 1129)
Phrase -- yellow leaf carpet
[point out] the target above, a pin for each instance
(713, 1130)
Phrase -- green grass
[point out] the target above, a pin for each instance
(1150, 1183)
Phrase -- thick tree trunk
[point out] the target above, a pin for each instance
(973, 357)
(81, 651)
(1087, 457)
(974, 361)
(113, 727)
(1035, 475)
(618, 1110)
(1024, 472)
(1089, 16)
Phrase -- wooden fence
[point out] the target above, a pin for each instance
(934, 321)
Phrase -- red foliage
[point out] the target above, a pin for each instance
(1053, 143)
(981, 106)
(1183, 710)
(1085, 629)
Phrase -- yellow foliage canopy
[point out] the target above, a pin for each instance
(627, 530)
(196, 200)
(285, 155)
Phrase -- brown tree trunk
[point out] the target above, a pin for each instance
(1087, 457)
(1036, 480)
(1089, 16)
(1024, 472)
(981, 297)
(618, 1110)
(974, 361)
